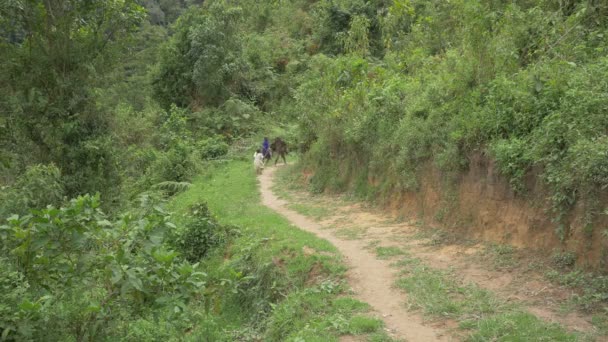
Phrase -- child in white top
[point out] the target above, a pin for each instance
(258, 161)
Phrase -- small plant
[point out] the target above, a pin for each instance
(317, 212)
(364, 324)
(388, 252)
(72, 267)
(592, 289)
(171, 188)
(441, 213)
(353, 233)
(503, 256)
(563, 260)
(436, 237)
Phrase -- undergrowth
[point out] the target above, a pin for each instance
(480, 314)
(282, 293)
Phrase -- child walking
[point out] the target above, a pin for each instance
(258, 161)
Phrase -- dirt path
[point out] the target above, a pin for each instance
(357, 232)
(371, 279)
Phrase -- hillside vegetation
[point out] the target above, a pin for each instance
(522, 82)
(112, 110)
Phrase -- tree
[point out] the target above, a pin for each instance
(54, 52)
(200, 64)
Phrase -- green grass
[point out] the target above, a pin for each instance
(439, 294)
(591, 289)
(316, 212)
(364, 324)
(601, 323)
(519, 326)
(502, 256)
(435, 237)
(372, 244)
(282, 294)
(289, 178)
(388, 252)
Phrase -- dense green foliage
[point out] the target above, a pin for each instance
(53, 52)
(130, 100)
(72, 269)
(201, 234)
(523, 83)
(389, 85)
(278, 291)
(80, 116)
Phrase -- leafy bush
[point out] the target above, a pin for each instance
(212, 148)
(201, 234)
(200, 63)
(232, 119)
(439, 96)
(39, 186)
(73, 274)
(563, 260)
(177, 164)
(14, 299)
(512, 160)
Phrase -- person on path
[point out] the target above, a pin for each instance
(258, 161)
(265, 146)
(279, 147)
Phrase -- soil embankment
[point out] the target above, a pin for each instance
(480, 204)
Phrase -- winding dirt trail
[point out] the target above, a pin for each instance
(370, 278)
(358, 232)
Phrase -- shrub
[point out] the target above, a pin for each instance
(212, 148)
(39, 186)
(512, 160)
(177, 164)
(563, 260)
(14, 298)
(201, 234)
(441, 96)
(71, 274)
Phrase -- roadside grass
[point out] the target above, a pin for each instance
(372, 244)
(279, 292)
(288, 179)
(342, 221)
(315, 212)
(520, 326)
(438, 294)
(351, 233)
(601, 323)
(433, 236)
(388, 252)
(502, 257)
(591, 289)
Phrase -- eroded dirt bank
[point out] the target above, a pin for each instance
(481, 204)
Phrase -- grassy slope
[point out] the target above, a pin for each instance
(310, 304)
